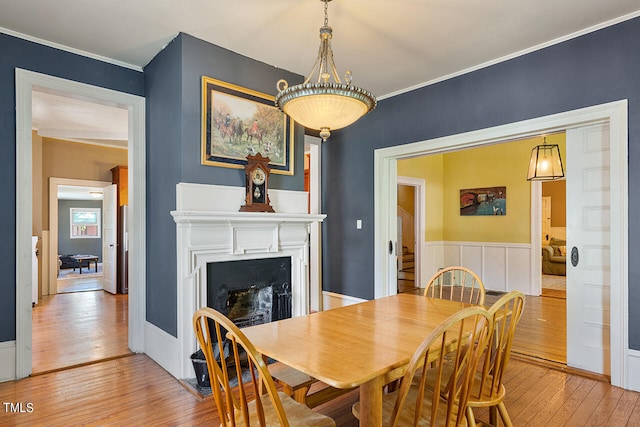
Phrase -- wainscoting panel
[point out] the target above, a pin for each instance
(501, 266)
(494, 274)
(471, 256)
(432, 260)
(519, 270)
(451, 254)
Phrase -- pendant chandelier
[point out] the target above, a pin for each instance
(545, 163)
(323, 102)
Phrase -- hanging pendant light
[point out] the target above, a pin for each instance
(545, 163)
(323, 102)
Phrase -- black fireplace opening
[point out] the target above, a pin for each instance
(251, 292)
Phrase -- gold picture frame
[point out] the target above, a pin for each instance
(237, 122)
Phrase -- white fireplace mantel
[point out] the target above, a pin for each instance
(211, 229)
(197, 217)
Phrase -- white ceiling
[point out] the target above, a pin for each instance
(72, 192)
(390, 46)
(62, 117)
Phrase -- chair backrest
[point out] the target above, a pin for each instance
(236, 370)
(506, 313)
(457, 284)
(445, 361)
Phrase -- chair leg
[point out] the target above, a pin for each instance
(471, 419)
(493, 416)
(504, 415)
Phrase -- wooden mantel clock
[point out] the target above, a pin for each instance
(257, 184)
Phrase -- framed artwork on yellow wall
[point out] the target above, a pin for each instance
(237, 122)
(483, 201)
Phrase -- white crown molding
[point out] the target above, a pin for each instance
(69, 49)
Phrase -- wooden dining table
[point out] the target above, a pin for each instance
(368, 344)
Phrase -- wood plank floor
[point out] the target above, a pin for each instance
(77, 328)
(542, 331)
(134, 390)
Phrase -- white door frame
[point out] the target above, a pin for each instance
(420, 199)
(615, 113)
(25, 82)
(535, 273)
(315, 231)
(53, 223)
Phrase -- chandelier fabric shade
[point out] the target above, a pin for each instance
(323, 102)
(545, 163)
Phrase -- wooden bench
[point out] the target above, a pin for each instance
(302, 387)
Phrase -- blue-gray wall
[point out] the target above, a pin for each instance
(18, 53)
(173, 94)
(593, 69)
(69, 246)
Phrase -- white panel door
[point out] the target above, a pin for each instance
(588, 246)
(109, 239)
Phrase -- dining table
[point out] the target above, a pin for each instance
(366, 345)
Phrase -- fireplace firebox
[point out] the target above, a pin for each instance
(251, 291)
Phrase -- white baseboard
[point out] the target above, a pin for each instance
(163, 348)
(333, 300)
(633, 370)
(7, 361)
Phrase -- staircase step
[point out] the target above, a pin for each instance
(405, 275)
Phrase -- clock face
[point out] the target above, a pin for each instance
(258, 176)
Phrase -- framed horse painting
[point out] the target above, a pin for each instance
(237, 122)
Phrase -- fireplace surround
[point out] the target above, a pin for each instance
(210, 229)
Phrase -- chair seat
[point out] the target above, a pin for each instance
(298, 414)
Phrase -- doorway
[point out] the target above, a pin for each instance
(26, 81)
(73, 275)
(554, 237)
(56, 186)
(615, 115)
(411, 225)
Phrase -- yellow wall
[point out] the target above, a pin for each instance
(557, 191)
(63, 159)
(496, 165)
(406, 198)
(428, 168)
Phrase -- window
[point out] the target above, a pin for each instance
(85, 223)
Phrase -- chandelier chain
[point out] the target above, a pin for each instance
(326, 13)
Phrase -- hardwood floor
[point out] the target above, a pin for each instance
(542, 331)
(77, 328)
(134, 390)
